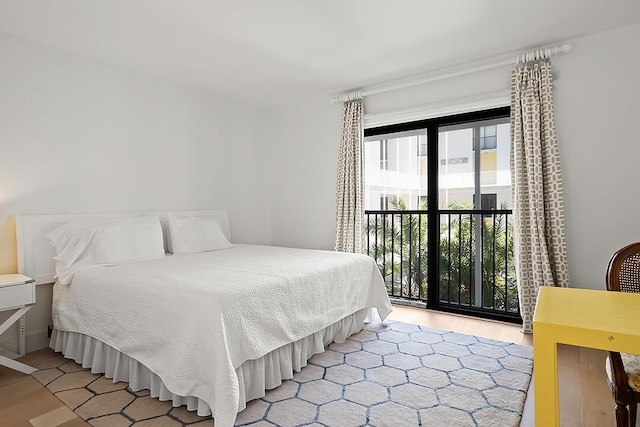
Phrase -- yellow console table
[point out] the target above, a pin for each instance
(580, 317)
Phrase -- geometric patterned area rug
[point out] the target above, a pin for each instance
(394, 375)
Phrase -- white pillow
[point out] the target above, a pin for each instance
(88, 244)
(195, 234)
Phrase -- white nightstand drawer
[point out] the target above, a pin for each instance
(17, 295)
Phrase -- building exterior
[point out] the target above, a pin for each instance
(396, 168)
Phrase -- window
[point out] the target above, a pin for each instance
(488, 137)
(393, 159)
(462, 179)
(459, 175)
(487, 201)
(442, 242)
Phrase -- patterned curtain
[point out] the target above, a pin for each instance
(540, 247)
(350, 186)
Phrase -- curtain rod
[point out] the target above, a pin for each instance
(531, 55)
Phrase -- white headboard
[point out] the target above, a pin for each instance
(35, 253)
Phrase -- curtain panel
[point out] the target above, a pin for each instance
(539, 238)
(350, 181)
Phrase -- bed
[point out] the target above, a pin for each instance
(210, 329)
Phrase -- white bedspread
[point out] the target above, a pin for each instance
(193, 319)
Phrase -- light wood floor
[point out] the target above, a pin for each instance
(26, 402)
(585, 397)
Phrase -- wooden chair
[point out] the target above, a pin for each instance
(623, 370)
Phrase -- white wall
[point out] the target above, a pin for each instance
(303, 151)
(597, 106)
(597, 111)
(77, 136)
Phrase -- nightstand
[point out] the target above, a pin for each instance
(17, 292)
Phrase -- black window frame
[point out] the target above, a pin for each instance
(432, 127)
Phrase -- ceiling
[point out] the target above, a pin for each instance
(278, 51)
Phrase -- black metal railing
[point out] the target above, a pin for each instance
(397, 240)
(475, 271)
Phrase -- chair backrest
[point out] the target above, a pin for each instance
(623, 275)
(623, 272)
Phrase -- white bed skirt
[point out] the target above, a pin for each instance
(254, 376)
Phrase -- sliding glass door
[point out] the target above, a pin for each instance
(438, 212)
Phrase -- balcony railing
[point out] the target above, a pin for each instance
(475, 271)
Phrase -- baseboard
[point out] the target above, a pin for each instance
(37, 340)
(33, 341)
